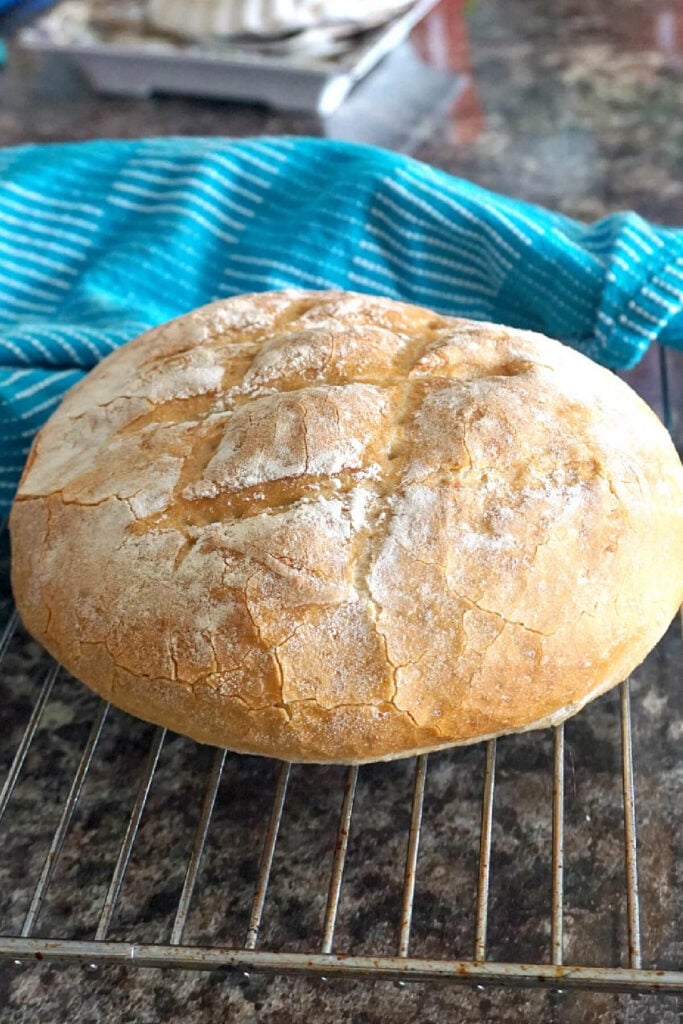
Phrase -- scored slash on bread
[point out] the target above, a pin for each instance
(326, 526)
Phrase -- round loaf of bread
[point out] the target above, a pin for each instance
(333, 527)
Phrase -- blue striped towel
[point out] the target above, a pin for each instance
(101, 240)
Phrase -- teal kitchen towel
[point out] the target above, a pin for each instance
(101, 240)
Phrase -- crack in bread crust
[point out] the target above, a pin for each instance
(334, 527)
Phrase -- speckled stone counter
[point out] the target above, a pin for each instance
(573, 104)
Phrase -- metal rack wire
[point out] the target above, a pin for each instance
(319, 956)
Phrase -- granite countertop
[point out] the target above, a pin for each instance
(574, 104)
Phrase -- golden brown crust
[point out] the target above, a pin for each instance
(333, 527)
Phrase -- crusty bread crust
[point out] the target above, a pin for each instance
(332, 527)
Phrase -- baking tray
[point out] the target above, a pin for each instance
(292, 82)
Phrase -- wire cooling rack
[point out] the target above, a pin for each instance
(101, 925)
